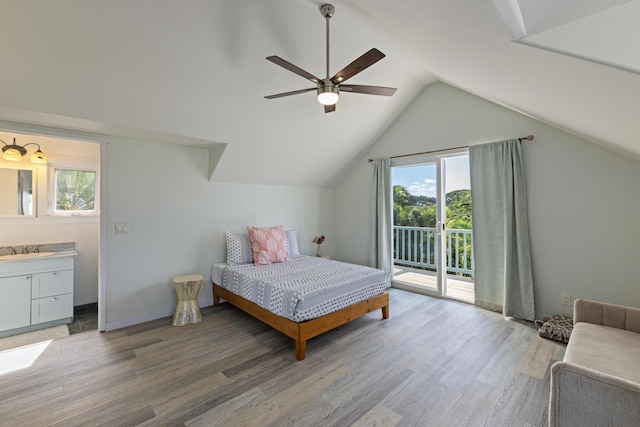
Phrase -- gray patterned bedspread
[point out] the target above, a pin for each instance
(304, 287)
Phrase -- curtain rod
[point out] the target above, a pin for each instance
(524, 138)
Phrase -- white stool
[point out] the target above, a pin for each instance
(187, 310)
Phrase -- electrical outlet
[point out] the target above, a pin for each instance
(566, 300)
(122, 228)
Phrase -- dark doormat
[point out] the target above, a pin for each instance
(556, 327)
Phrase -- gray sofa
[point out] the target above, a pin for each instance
(598, 381)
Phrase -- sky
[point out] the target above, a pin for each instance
(421, 180)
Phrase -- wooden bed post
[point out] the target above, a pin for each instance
(301, 349)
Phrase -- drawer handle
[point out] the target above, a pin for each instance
(54, 299)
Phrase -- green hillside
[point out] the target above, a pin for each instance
(420, 211)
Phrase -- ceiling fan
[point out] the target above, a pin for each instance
(329, 88)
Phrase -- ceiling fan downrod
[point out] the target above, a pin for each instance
(327, 10)
(329, 89)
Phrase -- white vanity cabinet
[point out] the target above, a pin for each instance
(36, 293)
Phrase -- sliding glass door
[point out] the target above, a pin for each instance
(432, 230)
(416, 214)
(458, 231)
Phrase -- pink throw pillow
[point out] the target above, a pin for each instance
(268, 244)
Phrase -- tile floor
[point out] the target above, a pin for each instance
(85, 318)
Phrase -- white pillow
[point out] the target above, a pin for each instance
(292, 243)
(238, 249)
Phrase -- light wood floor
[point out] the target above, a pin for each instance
(434, 362)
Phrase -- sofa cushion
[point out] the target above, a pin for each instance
(609, 350)
(600, 313)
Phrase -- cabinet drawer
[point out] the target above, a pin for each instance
(52, 283)
(51, 308)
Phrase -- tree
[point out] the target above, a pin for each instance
(420, 211)
(422, 200)
(458, 204)
(401, 196)
(75, 190)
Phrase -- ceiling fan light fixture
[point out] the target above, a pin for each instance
(328, 95)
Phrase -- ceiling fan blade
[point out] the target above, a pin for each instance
(369, 90)
(293, 68)
(294, 92)
(330, 108)
(363, 62)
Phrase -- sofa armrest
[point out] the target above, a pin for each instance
(583, 397)
(612, 315)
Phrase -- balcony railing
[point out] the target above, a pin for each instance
(416, 247)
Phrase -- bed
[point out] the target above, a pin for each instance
(304, 296)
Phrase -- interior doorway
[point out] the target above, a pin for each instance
(433, 227)
(66, 200)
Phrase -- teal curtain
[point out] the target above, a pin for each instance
(381, 242)
(503, 276)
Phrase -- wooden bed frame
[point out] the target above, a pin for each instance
(303, 331)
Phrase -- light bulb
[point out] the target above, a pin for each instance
(328, 98)
(39, 157)
(12, 154)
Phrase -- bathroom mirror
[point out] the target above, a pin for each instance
(17, 192)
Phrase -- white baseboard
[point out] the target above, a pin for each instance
(147, 317)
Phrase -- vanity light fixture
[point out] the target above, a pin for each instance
(15, 152)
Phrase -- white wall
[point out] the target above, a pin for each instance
(177, 219)
(44, 228)
(583, 199)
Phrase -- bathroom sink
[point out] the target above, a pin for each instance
(22, 257)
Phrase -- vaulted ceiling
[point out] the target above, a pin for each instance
(195, 73)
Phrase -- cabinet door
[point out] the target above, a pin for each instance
(15, 302)
(52, 283)
(51, 308)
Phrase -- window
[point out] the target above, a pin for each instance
(74, 192)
